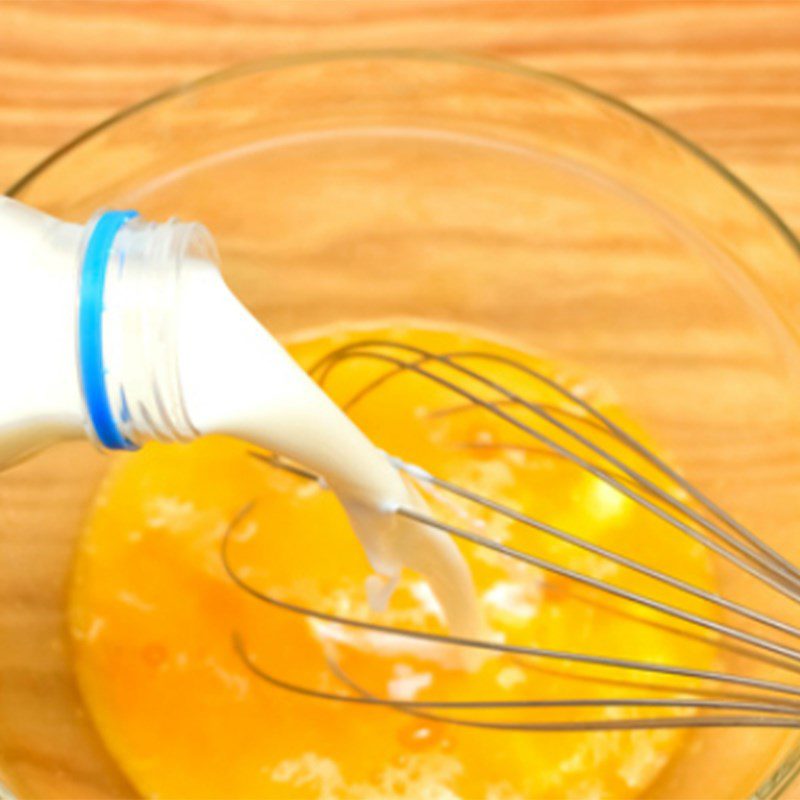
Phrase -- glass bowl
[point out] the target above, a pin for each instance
(451, 190)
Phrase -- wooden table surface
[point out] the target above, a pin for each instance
(727, 74)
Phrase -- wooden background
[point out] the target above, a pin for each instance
(727, 74)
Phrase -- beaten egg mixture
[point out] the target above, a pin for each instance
(186, 715)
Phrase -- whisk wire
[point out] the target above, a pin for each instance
(481, 644)
(423, 708)
(726, 699)
(780, 577)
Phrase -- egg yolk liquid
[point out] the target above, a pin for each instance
(153, 611)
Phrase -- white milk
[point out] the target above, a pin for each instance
(182, 357)
(237, 380)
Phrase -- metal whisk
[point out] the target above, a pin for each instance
(574, 430)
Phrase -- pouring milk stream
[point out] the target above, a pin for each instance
(123, 331)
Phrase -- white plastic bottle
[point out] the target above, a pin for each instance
(123, 331)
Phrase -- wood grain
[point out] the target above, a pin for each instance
(724, 73)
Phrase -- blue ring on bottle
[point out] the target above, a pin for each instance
(90, 328)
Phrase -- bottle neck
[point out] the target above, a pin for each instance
(129, 301)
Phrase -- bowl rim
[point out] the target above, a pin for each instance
(784, 774)
(412, 54)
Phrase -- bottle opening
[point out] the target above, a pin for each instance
(127, 327)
